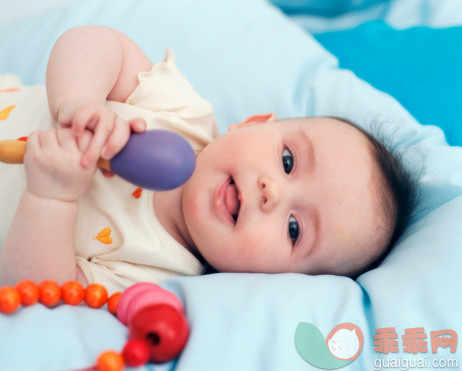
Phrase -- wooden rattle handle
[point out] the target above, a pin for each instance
(13, 151)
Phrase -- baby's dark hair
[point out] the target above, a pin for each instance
(400, 193)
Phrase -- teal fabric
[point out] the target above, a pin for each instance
(326, 8)
(421, 67)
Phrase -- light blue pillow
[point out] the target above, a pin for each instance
(247, 57)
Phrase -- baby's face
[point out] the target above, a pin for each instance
(294, 195)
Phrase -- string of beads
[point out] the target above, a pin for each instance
(27, 293)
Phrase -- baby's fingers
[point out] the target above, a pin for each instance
(117, 140)
(66, 139)
(85, 118)
(138, 125)
(101, 134)
(84, 140)
(49, 139)
(40, 146)
(33, 143)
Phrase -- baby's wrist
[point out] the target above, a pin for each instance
(41, 197)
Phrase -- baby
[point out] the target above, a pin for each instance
(310, 195)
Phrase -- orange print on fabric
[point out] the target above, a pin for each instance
(9, 90)
(4, 113)
(104, 236)
(137, 193)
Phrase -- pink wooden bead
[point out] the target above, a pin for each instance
(141, 295)
(128, 295)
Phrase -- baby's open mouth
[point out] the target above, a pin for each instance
(232, 202)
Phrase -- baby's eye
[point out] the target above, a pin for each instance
(294, 230)
(287, 161)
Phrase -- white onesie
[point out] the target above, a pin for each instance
(118, 239)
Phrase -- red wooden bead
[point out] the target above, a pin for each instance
(164, 327)
(136, 352)
(50, 293)
(29, 291)
(9, 299)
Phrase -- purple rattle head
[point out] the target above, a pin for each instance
(155, 159)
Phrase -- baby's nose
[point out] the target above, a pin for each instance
(270, 193)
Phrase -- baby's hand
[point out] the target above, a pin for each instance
(53, 164)
(111, 132)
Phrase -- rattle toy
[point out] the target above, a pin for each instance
(158, 329)
(154, 159)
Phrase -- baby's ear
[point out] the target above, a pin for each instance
(254, 120)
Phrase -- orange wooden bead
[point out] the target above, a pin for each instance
(95, 295)
(110, 361)
(9, 299)
(50, 293)
(29, 291)
(112, 302)
(72, 292)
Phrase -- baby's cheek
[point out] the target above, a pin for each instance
(257, 252)
(228, 254)
(194, 215)
(191, 205)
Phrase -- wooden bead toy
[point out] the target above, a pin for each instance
(158, 329)
(154, 159)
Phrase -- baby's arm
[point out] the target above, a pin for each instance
(87, 66)
(40, 242)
